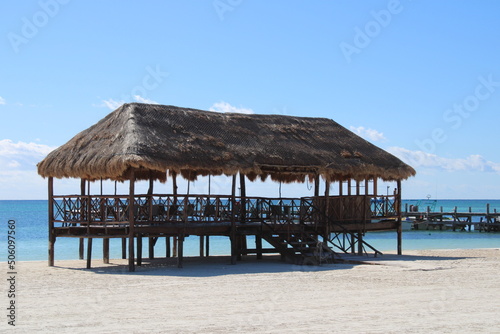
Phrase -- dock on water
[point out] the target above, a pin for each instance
(456, 220)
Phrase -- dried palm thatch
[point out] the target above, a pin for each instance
(154, 139)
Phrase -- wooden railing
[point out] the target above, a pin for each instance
(75, 210)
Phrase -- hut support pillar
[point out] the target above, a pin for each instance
(151, 246)
(207, 246)
(233, 221)
(316, 186)
(258, 246)
(202, 245)
(326, 231)
(81, 249)
(52, 238)
(105, 250)
(139, 250)
(180, 257)
(124, 248)
(167, 246)
(398, 211)
(131, 265)
(360, 243)
(89, 253)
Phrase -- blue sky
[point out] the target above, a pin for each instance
(418, 78)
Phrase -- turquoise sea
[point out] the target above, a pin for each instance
(31, 233)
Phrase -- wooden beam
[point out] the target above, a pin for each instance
(52, 237)
(131, 219)
(167, 246)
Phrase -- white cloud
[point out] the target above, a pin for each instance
(2, 100)
(141, 99)
(18, 175)
(9, 148)
(112, 104)
(226, 107)
(417, 159)
(369, 134)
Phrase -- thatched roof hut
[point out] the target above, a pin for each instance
(153, 139)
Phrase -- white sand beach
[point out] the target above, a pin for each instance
(439, 291)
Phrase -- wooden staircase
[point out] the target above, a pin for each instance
(301, 248)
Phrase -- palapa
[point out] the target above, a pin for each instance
(155, 139)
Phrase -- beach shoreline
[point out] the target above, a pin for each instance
(427, 290)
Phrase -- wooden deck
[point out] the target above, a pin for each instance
(297, 228)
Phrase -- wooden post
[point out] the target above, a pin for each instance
(375, 186)
(81, 240)
(180, 258)
(89, 252)
(139, 249)
(233, 221)
(398, 211)
(151, 246)
(167, 246)
(105, 250)
(124, 248)
(326, 231)
(207, 246)
(258, 246)
(174, 189)
(81, 248)
(202, 246)
(131, 219)
(360, 243)
(316, 185)
(151, 241)
(52, 237)
(243, 208)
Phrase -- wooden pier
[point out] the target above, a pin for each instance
(455, 220)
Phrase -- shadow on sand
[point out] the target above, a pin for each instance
(221, 265)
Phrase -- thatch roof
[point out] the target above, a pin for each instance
(154, 139)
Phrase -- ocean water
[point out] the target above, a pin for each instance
(31, 234)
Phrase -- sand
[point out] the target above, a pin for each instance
(439, 291)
